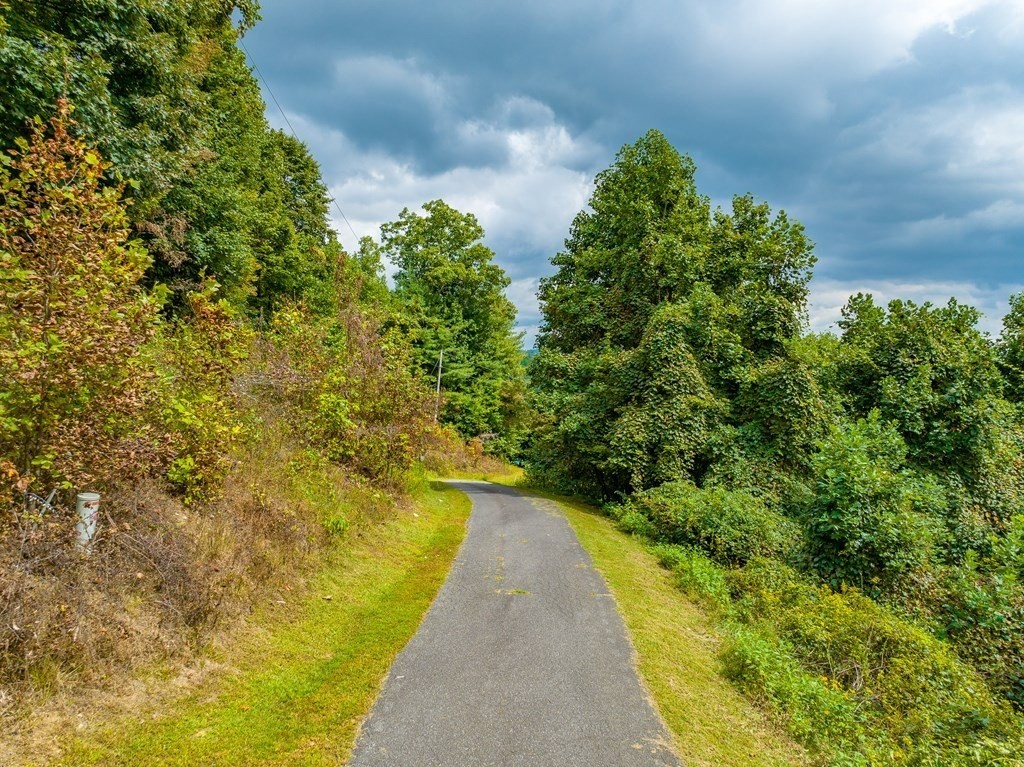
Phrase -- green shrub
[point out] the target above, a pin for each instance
(73, 318)
(870, 523)
(634, 522)
(911, 688)
(732, 526)
(336, 525)
(819, 714)
(198, 359)
(849, 678)
(695, 574)
(349, 389)
(981, 608)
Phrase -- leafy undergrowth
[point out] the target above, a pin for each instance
(449, 457)
(853, 680)
(678, 651)
(295, 686)
(856, 683)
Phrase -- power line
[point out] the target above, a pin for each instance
(288, 122)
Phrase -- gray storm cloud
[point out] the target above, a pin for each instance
(891, 129)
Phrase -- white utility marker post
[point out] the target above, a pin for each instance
(88, 507)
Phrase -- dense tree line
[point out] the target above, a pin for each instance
(677, 383)
(666, 332)
(172, 297)
(222, 211)
(449, 296)
(165, 95)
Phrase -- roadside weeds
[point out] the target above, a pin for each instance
(295, 687)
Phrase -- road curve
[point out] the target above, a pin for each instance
(521, 660)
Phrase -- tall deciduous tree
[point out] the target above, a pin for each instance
(930, 371)
(1010, 349)
(642, 242)
(133, 69)
(162, 89)
(661, 314)
(453, 297)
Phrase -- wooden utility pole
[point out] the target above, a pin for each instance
(437, 401)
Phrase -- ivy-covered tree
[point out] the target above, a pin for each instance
(1010, 349)
(132, 69)
(930, 371)
(661, 314)
(164, 92)
(642, 242)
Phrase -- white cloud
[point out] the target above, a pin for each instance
(972, 136)
(525, 203)
(829, 296)
(523, 209)
(927, 158)
(1000, 215)
(385, 77)
(861, 36)
(800, 49)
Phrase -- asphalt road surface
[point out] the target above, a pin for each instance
(521, 660)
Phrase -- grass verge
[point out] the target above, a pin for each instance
(303, 678)
(678, 650)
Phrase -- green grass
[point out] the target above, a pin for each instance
(301, 685)
(677, 649)
(504, 474)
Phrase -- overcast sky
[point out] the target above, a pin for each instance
(893, 129)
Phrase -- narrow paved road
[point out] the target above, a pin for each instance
(522, 659)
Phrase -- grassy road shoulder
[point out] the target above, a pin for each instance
(300, 686)
(677, 653)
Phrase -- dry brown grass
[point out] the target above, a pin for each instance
(446, 455)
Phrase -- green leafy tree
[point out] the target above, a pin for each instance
(133, 70)
(761, 264)
(302, 261)
(365, 270)
(453, 300)
(251, 209)
(164, 92)
(929, 371)
(870, 522)
(661, 314)
(1010, 349)
(642, 242)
